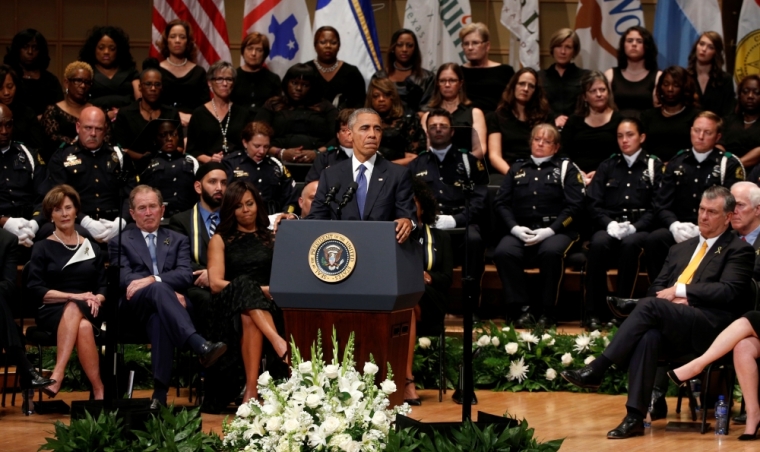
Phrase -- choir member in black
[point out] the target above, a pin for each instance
(132, 119)
(634, 78)
(482, 77)
(449, 94)
(413, 82)
(169, 169)
(686, 175)
(303, 123)
(67, 278)
(590, 135)
(26, 128)
(621, 195)
(59, 120)
(115, 82)
(540, 198)
(428, 314)
(185, 85)
(214, 130)
(523, 105)
(668, 127)
(239, 267)
(741, 135)
(270, 177)
(403, 136)
(562, 80)
(339, 149)
(254, 82)
(28, 55)
(715, 86)
(337, 82)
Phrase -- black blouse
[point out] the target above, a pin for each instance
(414, 91)
(26, 128)
(562, 91)
(310, 127)
(720, 98)
(738, 139)
(515, 135)
(185, 93)
(116, 91)
(204, 132)
(485, 85)
(632, 98)
(348, 82)
(252, 89)
(39, 93)
(130, 122)
(589, 146)
(60, 127)
(666, 135)
(47, 272)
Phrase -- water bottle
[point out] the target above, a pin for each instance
(721, 416)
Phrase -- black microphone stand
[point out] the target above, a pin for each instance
(465, 379)
(347, 197)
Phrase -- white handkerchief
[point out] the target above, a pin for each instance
(84, 253)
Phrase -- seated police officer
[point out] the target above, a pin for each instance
(339, 149)
(453, 174)
(538, 201)
(620, 194)
(169, 169)
(269, 175)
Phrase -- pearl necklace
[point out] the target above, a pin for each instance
(402, 68)
(749, 122)
(226, 126)
(326, 69)
(74, 248)
(668, 114)
(169, 60)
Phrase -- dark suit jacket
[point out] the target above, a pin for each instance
(172, 254)
(8, 244)
(190, 223)
(389, 195)
(756, 271)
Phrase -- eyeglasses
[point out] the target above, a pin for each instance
(150, 85)
(539, 140)
(448, 81)
(81, 81)
(472, 44)
(221, 80)
(442, 127)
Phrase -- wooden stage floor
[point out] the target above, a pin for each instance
(582, 419)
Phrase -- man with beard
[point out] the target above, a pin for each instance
(199, 224)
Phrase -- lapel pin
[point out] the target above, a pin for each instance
(379, 179)
(719, 248)
(86, 250)
(166, 242)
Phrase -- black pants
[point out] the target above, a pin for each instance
(473, 260)
(656, 247)
(658, 329)
(604, 252)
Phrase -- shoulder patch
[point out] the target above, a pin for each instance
(681, 152)
(463, 151)
(331, 149)
(739, 173)
(480, 165)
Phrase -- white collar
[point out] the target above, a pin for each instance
(369, 165)
(630, 160)
(440, 153)
(85, 252)
(539, 160)
(5, 149)
(701, 156)
(710, 242)
(349, 151)
(145, 234)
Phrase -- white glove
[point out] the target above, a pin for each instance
(680, 231)
(690, 229)
(628, 229)
(273, 220)
(15, 226)
(33, 227)
(615, 230)
(540, 235)
(523, 233)
(97, 229)
(445, 222)
(112, 228)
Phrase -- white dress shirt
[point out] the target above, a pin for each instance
(369, 165)
(681, 287)
(147, 243)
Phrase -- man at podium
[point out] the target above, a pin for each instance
(367, 187)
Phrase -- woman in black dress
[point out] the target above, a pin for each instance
(215, 127)
(562, 80)
(115, 82)
(337, 82)
(715, 86)
(668, 127)
(403, 135)
(67, 277)
(590, 135)
(185, 85)
(522, 106)
(239, 267)
(28, 56)
(634, 78)
(255, 83)
(26, 127)
(449, 94)
(741, 133)
(413, 82)
(482, 77)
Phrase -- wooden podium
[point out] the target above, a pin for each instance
(352, 275)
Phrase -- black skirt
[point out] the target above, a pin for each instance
(754, 319)
(49, 316)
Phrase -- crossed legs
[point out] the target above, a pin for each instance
(257, 324)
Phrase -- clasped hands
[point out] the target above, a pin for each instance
(23, 229)
(532, 236)
(92, 300)
(670, 295)
(620, 230)
(141, 283)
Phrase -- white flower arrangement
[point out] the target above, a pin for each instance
(529, 338)
(518, 370)
(424, 342)
(582, 342)
(323, 407)
(484, 340)
(551, 374)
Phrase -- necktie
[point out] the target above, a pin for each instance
(744, 238)
(688, 272)
(361, 191)
(213, 220)
(152, 250)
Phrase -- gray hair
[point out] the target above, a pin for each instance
(218, 67)
(144, 189)
(719, 191)
(355, 115)
(753, 191)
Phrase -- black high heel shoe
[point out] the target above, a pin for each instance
(38, 381)
(412, 402)
(747, 437)
(674, 378)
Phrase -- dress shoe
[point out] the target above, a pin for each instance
(674, 378)
(613, 323)
(747, 436)
(38, 381)
(457, 397)
(631, 426)
(594, 324)
(622, 307)
(583, 378)
(524, 321)
(210, 352)
(546, 322)
(659, 409)
(740, 419)
(155, 405)
(412, 402)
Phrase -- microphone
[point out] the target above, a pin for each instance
(349, 195)
(331, 193)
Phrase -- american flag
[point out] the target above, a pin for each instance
(208, 22)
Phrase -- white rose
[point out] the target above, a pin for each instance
(379, 419)
(567, 359)
(595, 334)
(331, 370)
(265, 379)
(244, 411)
(588, 360)
(352, 446)
(483, 341)
(505, 329)
(495, 341)
(313, 401)
(330, 425)
(305, 367)
(548, 339)
(291, 425)
(269, 409)
(424, 342)
(388, 387)
(370, 368)
(274, 424)
(511, 348)
(551, 374)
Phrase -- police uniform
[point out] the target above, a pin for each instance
(269, 176)
(22, 179)
(683, 182)
(619, 193)
(549, 195)
(173, 174)
(330, 157)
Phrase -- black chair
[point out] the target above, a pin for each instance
(18, 313)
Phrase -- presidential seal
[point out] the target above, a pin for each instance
(748, 56)
(332, 257)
